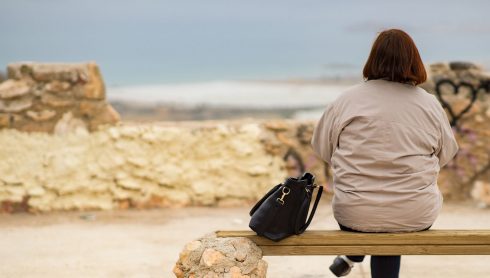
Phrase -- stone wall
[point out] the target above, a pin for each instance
(223, 163)
(136, 166)
(54, 98)
(469, 173)
(457, 72)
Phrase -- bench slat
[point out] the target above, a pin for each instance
(337, 237)
(376, 250)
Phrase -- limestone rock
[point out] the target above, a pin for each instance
(179, 273)
(57, 86)
(91, 109)
(68, 124)
(128, 183)
(4, 120)
(56, 102)
(439, 67)
(94, 88)
(235, 272)
(188, 249)
(210, 256)
(481, 193)
(458, 65)
(261, 270)
(276, 126)
(13, 88)
(15, 105)
(54, 87)
(106, 115)
(42, 115)
(45, 72)
(211, 274)
(36, 191)
(138, 161)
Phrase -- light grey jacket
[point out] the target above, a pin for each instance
(386, 142)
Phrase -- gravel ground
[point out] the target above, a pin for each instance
(147, 243)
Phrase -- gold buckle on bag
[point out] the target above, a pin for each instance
(285, 191)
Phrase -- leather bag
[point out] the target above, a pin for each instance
(283, 211)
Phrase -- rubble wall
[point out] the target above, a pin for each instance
(79, 163)
(54, 98)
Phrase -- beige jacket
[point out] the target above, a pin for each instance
(385, 142)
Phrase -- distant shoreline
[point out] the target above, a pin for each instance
(250, 94)
(284, 99)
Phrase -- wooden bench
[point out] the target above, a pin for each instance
(431, 242)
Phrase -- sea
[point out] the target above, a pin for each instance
(307, 98)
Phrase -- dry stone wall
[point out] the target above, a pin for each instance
(136, 166)
(469, 173)
(55, 98)
(223, 163)
(455, 71)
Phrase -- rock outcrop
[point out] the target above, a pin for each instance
(54, 98)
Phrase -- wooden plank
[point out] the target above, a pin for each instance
(376, 250)
(337, 237)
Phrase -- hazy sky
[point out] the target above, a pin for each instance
(150, 41)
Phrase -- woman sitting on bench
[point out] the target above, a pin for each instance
(385, 139)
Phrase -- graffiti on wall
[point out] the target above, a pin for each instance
(456, 89)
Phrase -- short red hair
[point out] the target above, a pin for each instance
(395, 57)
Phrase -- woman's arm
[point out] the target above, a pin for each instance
(448, 146)
(324, 139)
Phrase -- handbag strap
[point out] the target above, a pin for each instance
(259, 203)
(312, 213)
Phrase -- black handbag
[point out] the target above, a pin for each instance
(283, 211)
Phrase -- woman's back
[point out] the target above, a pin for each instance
(386, 142)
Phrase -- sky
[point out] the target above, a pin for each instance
(161, 41)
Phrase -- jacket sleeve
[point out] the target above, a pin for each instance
(324, 139)
(448, 146)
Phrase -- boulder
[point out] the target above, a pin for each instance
(211, 256)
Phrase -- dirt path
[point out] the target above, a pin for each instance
(147, 244)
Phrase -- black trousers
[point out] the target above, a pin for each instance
(381, 266)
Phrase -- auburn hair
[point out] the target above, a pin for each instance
(395, 57)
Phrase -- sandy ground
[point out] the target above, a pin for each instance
(147, 243)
